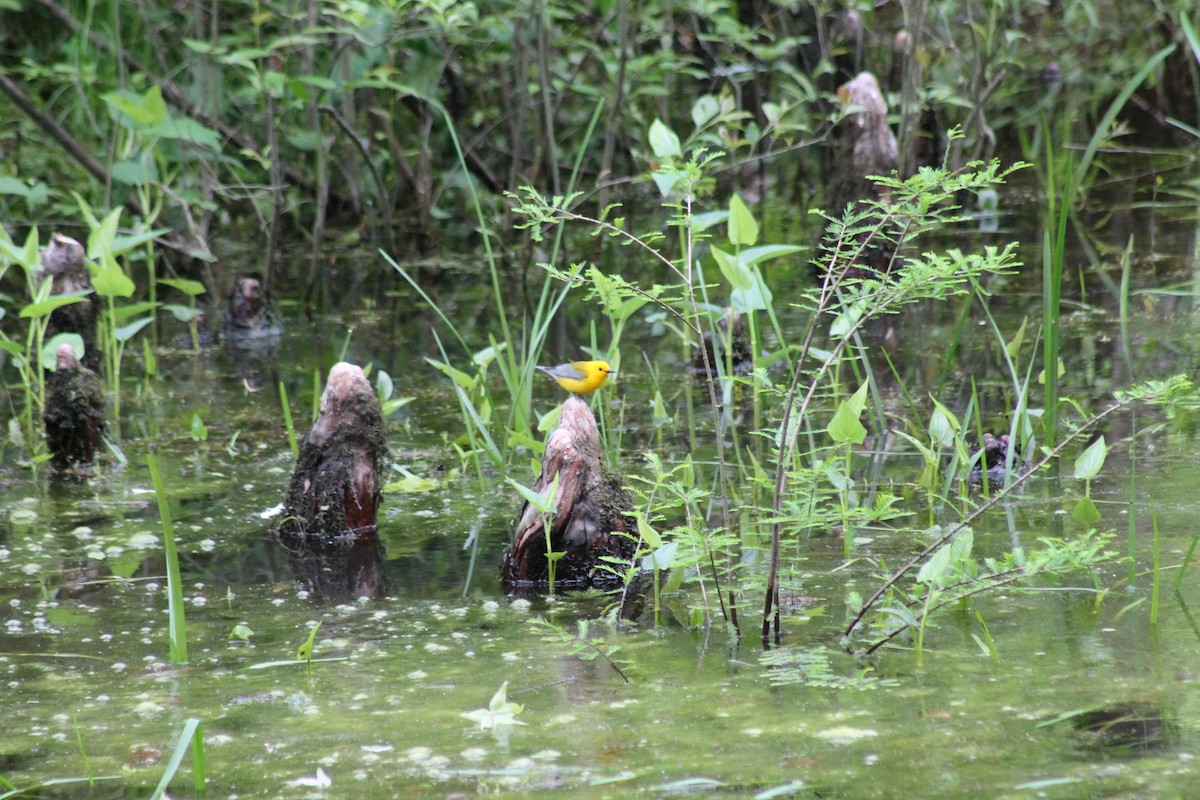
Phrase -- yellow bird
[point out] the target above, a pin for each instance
(580, 377)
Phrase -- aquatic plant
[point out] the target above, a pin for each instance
(500, 711)
(583, 643)
(177, 633)
(192, 736)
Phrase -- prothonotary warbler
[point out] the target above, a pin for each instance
(580, 377)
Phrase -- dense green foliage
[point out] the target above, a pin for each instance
(269, 119)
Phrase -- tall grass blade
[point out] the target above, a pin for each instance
(192, 734)
(175, 612)
(1187, 560)
(1157, 573)
(287, 420)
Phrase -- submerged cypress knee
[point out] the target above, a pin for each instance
(587, 523)
(329, 515)
(249, 313)
(74, 415)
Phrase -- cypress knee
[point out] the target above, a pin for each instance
(587, 523)
(329, 515)
(74, 415)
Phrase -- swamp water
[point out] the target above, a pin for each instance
(89, 691)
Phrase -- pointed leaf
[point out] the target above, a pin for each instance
(110, 281)
(100, 240)
(754, 255)
(304, 651)
(704, 109)
(737, 273)
(662, 558)
(1091, 460)
(190, 288)
(845, 428)
(649, 535)
(943, 426)
(127, 332)
(663, 141)
(44, 307)
(743, 229)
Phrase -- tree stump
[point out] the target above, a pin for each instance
(74, 415)
(863, 145)
(63, 260)
(587, 523)
(329, 515)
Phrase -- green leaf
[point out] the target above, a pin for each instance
(549, 420)
(704, 109)
(199, 431)
(522, 439)
(1091, 460)
(1013, 347)
(665, 181)
(663, 141)
(847, 319)
(383, 386)
(304, 651)
(44, 307)
(707, 219)
(123, 244)
(737, 273)
(756, 298)
(110, 281)
(649, 535)
(187, 130)
(409, 484)
(763, 252)
(662, 558)
(241, 632)
(845, 428)
(100, 240)
(499, 711)
(190, 288)
(137, 111)
(182, 313)
(127, 332)
(458, 376)
(122, 313)
(1085, 512)
(134, 173)
(394, 404)
(943, 425)
(743, 229)
(545, 502)
(13, 186)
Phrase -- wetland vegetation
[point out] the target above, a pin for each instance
(903, 398)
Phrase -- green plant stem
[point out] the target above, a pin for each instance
(288, 424)
(1154, 589)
